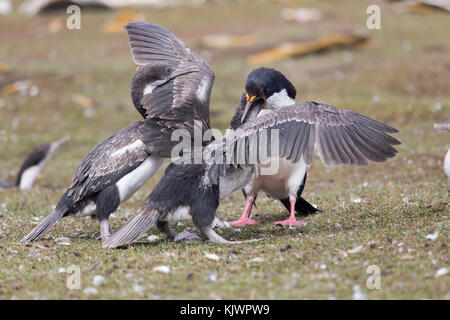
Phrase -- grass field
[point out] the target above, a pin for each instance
(377, 215)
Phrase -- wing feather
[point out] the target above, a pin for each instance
(107, 162)
(341, 136)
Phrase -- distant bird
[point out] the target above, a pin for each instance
(445, 127)
(33, 165)
(341, 136)
(229, 163)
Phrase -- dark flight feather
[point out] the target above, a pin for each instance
(341, 136)
(40, 229)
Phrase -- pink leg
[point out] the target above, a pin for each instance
(244, 220)
(291, 221)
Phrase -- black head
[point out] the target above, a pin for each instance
(261, 84)
(264, 82)
(152, 73)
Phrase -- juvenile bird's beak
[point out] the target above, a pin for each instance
(253, 104)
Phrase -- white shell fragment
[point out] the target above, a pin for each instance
(432, 236)
(163, 269)
(355, 250)
(212, 256)
(98, 281)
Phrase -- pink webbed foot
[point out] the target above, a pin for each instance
(290, 222)
(242, 222)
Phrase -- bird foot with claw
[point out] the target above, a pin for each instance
(186, 236)
(290, 222)
(242, 222)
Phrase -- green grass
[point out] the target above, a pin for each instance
(402, 201)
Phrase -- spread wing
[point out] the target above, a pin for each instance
(108, 161)
(185, 98)
(340, 136)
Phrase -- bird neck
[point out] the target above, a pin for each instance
(137, 91)
(236, 119)
(238, 112)
(279, 100)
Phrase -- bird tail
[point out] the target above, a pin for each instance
(39, 230)
(302, 207)
(133, 230)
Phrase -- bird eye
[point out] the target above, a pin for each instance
(169, 71)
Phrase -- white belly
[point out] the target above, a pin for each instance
(29, 175)
(284, 182)
(88, 210)
(131, 182)
(181, 213)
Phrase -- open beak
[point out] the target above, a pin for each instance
(253, 104)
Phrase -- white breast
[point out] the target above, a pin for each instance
(284, 182)
(280, 99)
(29, 175)
(447, 164)
(131, 182)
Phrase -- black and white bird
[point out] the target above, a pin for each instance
(33, 165)
(340, 136)
(287, 183)
(228, 164)
(109, 175)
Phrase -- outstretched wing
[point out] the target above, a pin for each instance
(182, 100)
(340, 136)
(107, 162)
